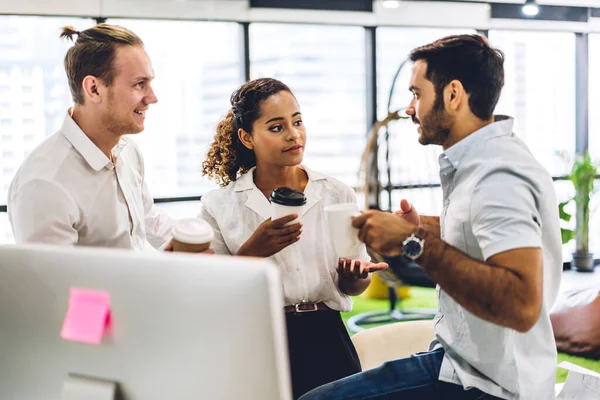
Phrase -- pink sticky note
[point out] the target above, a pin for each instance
(88, 316)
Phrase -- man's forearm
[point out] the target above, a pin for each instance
(493, 293)
(431, 223)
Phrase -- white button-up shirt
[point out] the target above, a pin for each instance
(497, 197)
(307, 267)
(67, 192)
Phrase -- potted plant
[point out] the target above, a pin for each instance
(582, 175)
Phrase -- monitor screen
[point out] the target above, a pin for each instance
(182, 326)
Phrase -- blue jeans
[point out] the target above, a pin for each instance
(415, 377)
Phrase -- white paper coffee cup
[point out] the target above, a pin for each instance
(279, 211)
(192, 235)
(286, 201)
(343, 235)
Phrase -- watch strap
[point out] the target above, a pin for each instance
(420, 232)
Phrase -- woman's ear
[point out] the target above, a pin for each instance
(245, 138)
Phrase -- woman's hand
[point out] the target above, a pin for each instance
(271, 237)
(354, 275)
(357, 269)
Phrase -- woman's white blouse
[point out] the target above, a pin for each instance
(307, 267)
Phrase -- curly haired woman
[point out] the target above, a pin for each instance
(258, 147)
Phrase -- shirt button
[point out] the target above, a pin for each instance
(297, 268)
(446, 202)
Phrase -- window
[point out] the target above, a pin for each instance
(196, 72)
(594, 89)
(539, 92)
(325, 68)
(595, 222)
(428, 201)
(38, 47)
(594, 138)
(409, 161)
(181, 209)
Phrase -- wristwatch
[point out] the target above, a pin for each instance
(412, 247)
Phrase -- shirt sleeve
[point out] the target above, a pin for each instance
(504, 212)
(218, 243)
(158, 222)
(360, 251)
(41, 211)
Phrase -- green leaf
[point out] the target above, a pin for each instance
(566, 235)
(562, 214)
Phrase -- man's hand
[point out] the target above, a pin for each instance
(169, 246)
(383, 232)
(408, 212)
(271, 237)
(357, 269)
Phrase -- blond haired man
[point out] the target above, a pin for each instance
(85, 185)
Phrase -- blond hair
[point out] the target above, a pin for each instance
(94, 53)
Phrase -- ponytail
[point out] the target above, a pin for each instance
(227, 156)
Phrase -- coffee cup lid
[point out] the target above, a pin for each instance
(193, 231)
(286, 196)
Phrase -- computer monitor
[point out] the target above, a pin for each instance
(183, 326)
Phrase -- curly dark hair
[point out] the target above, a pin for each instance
(227, 157)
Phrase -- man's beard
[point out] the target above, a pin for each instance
(113, 120)
(435, 126)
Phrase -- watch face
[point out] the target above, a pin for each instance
(412, 248)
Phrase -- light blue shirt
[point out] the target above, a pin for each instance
(497, 197)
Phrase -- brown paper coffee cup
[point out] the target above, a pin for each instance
(190, 247)
(192, 235)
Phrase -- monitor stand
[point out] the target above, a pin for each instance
(78, 387)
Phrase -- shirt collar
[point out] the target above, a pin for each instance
(246, 181)
(84, 146)
(257, 201)
(502, 126)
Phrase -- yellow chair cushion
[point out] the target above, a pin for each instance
(379, 290)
